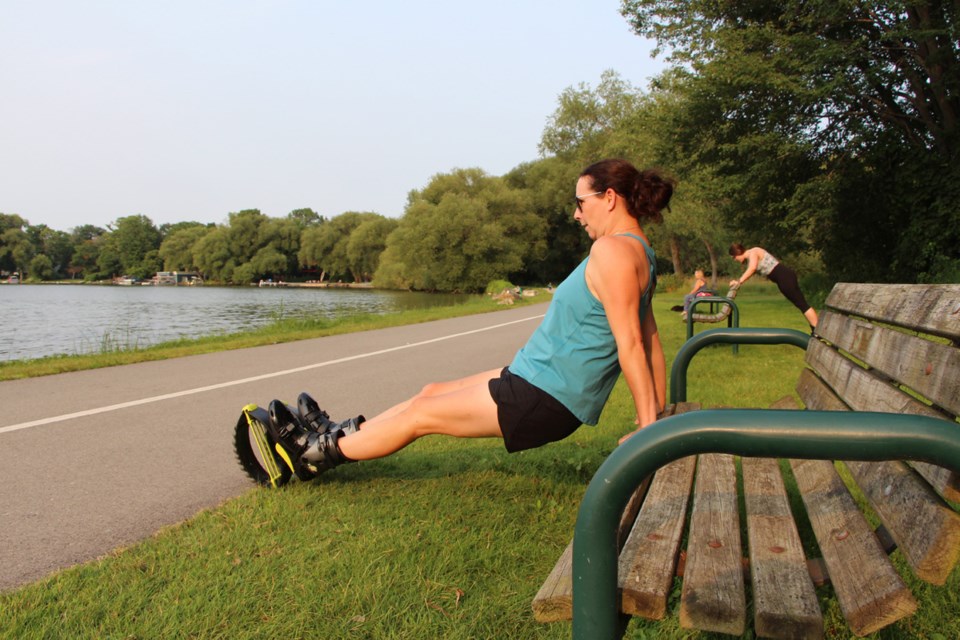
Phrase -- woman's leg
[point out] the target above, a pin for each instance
(786, 281)
(436, 389)
(461, 408)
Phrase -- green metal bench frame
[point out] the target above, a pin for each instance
(733, 320)
(745, 432)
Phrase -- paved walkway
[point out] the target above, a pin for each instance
(96, 460)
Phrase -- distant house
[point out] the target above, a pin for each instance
(177, 278)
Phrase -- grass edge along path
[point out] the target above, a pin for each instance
(446, 539)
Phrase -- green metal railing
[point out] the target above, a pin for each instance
(678, 372)
(733, 320)
(745, 432)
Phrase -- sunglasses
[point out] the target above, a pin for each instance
(579, 199)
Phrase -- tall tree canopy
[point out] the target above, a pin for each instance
(461, 231)
(825, 118)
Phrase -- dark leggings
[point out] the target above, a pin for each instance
(786, 279)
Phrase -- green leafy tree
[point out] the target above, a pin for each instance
(281, 236)
(211, 254)
(588, 123)
(305, 217)
(177, 248)
(56, 245)
(326, 246)
(86, 249)
(802, 98)
(460, 232)
(168, 228)
(367, 241)
(109, 263)
(244, 235)
(549, 184)
(128, 246)
(41, 267)
(16, 250)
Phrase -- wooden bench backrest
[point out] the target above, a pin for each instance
(891, 348)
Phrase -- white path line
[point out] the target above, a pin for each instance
(233, 383)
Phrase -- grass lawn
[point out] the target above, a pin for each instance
(447, 539)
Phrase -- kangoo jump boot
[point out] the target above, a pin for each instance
(307, 453)
(316, 419)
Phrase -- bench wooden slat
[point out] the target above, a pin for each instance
(923, 526)
(784, 599)
(870, 591)
(648, 560)
(554, 600)
(933, 309)
(863, 391)
(858, 387)
(817, 395)
(713, 597)
(931, 369)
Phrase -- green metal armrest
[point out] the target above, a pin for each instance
(744, 432)
(733, 320)
(678, 372)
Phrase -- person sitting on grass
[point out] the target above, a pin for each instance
(599, 324)
(699, 289)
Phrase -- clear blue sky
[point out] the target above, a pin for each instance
(189, 110)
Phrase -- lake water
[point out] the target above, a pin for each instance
(43, 320)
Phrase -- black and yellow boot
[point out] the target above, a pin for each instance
(316, 419)
(307, 453)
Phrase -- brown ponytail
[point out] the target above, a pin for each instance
(646, 193)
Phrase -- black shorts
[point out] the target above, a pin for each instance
(529, 417)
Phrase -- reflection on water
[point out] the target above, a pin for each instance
(42, 320)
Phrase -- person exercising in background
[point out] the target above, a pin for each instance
(759, 260)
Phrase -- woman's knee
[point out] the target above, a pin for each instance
(432, 389)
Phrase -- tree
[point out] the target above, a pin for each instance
(16, 250)
(588, 121)
(461, 231)
(126, 250)
(326, 246)
(806, 98)
(41, 267)
(55, 245)
(211, 254)
(305, 217)
(367, 241)
(177, 248)
(86, 249)
(282, 235)
(549, 184)
(243, 234)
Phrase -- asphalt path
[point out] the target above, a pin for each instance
(97, 460)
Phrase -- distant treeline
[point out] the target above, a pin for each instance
(825, 132)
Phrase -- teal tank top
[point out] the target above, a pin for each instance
(572, 355)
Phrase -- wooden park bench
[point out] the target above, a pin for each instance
(720, 308)
(882, 383)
